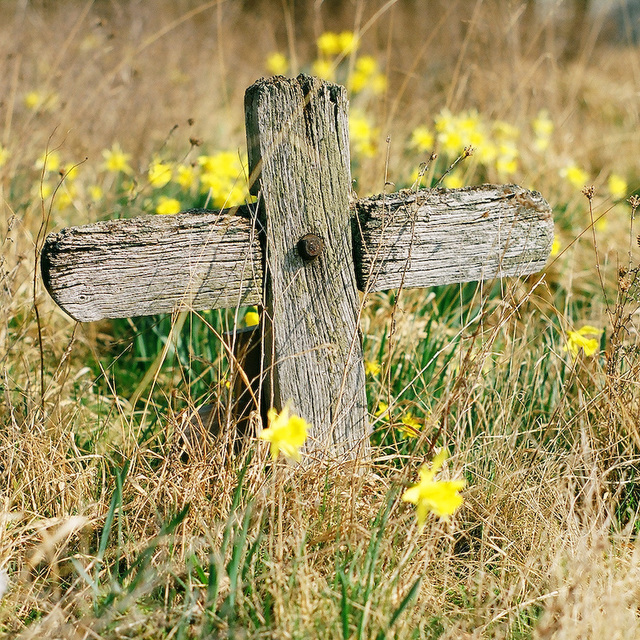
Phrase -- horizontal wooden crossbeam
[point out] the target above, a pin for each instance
(429, 238)
(204, 259)
(198, 259)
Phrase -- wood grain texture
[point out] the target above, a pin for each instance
(435, 237)
(198, 259)
(297, 132)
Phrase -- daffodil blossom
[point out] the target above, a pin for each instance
(286, 433)
(577, 340)
(439, 496)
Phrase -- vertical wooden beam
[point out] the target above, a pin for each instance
(298, 143)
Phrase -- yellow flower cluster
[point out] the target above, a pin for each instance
(493, 143)
(332, 44)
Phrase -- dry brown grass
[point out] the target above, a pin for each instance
(545, 545)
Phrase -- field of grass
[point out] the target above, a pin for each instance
(114, 109)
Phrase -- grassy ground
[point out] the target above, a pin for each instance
(107, 532)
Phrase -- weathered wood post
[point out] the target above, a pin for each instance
(298, 143)
(300, 254)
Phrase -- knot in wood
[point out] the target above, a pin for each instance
(310, 246)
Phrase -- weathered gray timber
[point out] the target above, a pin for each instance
(297, 137)
(300, 253)
(154, 264)
(434, 237)
(205, 259)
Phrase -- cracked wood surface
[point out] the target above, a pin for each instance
(154, 264)
(436, 237)
(212, 259)
(297, 137)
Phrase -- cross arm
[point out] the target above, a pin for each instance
(198, 259)
(434, 237)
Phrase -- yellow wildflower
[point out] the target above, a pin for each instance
(116, 160)
(542, 125)
(159, 174)
(382, 409)
(439, 496)
(70, 171)
(286, 433)
(555, 247)
(574, 175)
(168, 206)
(277, 64)
(95, 192)
(50, 159)
(410, 426)
(617, 186)
(372, 368)
(422, 138)
(542, 128)
(329, 44)
(362, 134)
(453, 181)
(4, 155)
(323, 69)
(348, 42)
(367, 76)
(32, 100)
(507, 160)
(505, 132)
(185, 176)
(577, 340)
(251, 318)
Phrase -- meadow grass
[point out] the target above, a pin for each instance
(108, 531)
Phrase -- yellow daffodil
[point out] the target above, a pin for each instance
(555, 247)
(382, 409)
(168, 206)
(50, 160)
(574, 175)
(329, 44)
(286, 433)
(4, 155)
(410, 426)
(578, 340)
(362, 134)
(372, 368)
(116, 160)
(323, 69)
(95, 192)
(277, 64)
(185, 176)
(438, 496)
(251, 318)
(422, 138)
(159, 174)
(617, 186)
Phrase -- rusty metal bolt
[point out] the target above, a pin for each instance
(310, 246)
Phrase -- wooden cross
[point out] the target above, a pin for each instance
(301, 253)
